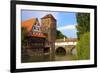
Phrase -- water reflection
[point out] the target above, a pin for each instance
(46, 58)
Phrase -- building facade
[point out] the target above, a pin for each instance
(40, 37)
(34, 41)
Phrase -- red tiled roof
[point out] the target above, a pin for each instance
(37, 35)
(28, 24)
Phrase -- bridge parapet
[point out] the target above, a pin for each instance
(65, 43)
(68, 44)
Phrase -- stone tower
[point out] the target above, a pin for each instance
(48, 26)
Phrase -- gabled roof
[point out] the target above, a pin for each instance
(28, 24)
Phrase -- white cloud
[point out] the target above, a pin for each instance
(68, 27)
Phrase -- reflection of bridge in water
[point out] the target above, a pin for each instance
(69, 45)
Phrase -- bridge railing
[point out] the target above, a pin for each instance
(65, 43)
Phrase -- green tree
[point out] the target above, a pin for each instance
(83, 20)
(24, 34)
(59, 35)
(83, 46)
(83, 28)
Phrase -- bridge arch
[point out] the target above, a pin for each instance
(60, 51)
(69, 49)
(74, 50)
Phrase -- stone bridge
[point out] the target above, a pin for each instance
(69, 45)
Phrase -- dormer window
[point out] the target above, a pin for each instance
(36, 28)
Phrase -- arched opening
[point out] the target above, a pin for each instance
(60, 51)
(74, 51)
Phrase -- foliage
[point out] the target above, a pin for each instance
(24, 55)
(59, 35)
(83, 47)
(83, 20)
(23, 35)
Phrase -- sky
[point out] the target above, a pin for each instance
(66, 21)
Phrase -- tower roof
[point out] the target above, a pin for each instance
(48, 16)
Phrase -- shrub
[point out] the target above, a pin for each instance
(83, 47)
